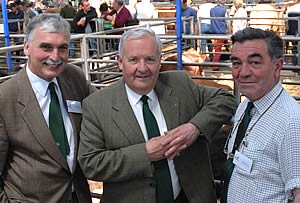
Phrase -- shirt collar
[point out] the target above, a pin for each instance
(263, 103)
(118, 11)
(38, 84)
(134, 97)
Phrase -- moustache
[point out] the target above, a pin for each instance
(51, 62)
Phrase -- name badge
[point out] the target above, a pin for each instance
(242, 162)
(74, 106)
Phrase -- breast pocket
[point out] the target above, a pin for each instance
(262, 151)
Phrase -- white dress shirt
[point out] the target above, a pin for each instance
(137, 106)
(40, 89)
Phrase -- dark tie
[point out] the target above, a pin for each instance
(56, 123)
(164, 190)
(228, 165)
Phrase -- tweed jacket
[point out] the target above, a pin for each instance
(32, 169)
(112, 146)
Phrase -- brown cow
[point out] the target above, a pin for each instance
(192, 56)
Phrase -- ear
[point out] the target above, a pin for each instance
(278, 66)
(26, 48)
(120, 61)
(160, 58)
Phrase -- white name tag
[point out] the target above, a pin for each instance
(74, 106)
(242, 162)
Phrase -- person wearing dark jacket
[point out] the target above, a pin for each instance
(15, 14)
(83, 22)
(83, 18)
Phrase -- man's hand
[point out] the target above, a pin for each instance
(81, 22)
(157, 147)
(181, 138)
(172, 143)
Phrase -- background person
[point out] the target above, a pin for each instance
(34, 166)
(144, 9)
(265, 16)
(266, 154)
(15, 14)
(218, 26)
(239, 24)
(84, 22)
(188, 11)
(122, 14)
(120, 19)
(115, 145)
(29, 13)
(15, 27)
(131, 8)
(106, 14)
(68, 12)
(204, 12)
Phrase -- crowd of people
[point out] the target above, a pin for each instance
(116, 14)
(145, 137)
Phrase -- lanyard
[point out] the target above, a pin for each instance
(245, 140)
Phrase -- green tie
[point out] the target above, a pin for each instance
(228, 165)
(56, 123)
(164, 189)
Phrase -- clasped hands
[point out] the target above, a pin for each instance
(81, 22)
(172, 143)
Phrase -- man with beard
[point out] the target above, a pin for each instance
(40, 115)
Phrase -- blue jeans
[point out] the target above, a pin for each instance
(93, 46)
(204, 30)
(71, 50)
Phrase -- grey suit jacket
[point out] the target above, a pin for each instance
(32, 168)
(112, 146)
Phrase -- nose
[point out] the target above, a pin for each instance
(245, 70)
(142, 66)
(54, 55)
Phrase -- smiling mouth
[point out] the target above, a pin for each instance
(52, 64)
(246, 82)
(143, 77)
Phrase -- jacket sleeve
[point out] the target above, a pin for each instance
(3, 157)
(217, 107)
(91, 14)
(75, 20)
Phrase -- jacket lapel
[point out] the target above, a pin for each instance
(169, 104)
(34, 119)
(124, 117)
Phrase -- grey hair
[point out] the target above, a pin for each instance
(48, 22)
(273, 41)
(65, 2)
(238, 2)
(120, 2)
(139, 33)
